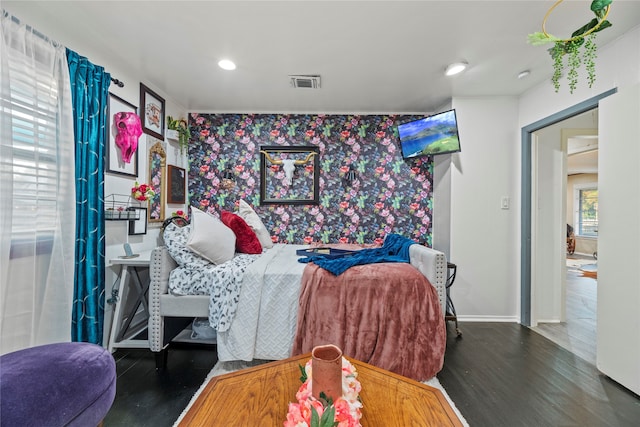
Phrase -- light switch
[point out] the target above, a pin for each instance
(504, 202)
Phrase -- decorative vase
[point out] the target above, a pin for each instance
(326, 371)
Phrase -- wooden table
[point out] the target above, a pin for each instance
(260, 396)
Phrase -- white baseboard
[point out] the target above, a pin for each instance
(505, 319)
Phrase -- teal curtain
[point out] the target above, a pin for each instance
(90, 95)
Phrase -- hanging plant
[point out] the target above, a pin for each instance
(582, 37)
(184, 134)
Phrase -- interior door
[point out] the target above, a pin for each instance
(618, 336)
(548, 194)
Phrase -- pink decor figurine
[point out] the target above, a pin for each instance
(129, 131)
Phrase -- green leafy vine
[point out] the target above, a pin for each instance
(582, 37)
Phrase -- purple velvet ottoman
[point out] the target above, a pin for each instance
(63, 384)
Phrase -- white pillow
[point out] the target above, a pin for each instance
(210, 238)
(250, 216)
(175, 239)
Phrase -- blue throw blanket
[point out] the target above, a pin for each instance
(394, 249)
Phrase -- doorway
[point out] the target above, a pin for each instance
(565, 183)
(528, 258)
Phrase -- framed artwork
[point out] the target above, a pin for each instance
(175, 188)
(138, 226)
(152, 108)
(289, 175)
(121, 160)
(157, 157)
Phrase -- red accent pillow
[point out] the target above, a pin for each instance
(246, 240)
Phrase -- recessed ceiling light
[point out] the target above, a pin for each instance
(523, 74)
(227, 64)
(455, 68)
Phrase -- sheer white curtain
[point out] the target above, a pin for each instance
(37, 189)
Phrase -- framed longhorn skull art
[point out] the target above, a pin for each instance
(289, 175)
(123, 133)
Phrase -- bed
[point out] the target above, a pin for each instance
(271, 314)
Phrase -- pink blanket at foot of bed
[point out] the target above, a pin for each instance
(385, 314)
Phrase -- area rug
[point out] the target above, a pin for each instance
(221, 368)
(590, 270)
(578, 263)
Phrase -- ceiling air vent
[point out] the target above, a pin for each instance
(310, 82)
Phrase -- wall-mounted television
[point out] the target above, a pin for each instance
(436, 134)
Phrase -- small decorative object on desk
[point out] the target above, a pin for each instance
(142, 192)
(324, 410)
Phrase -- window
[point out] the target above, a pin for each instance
(30, 106)
(588, 212)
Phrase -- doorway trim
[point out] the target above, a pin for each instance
(525, 227)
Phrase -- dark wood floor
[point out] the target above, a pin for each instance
(145, 397)
(504, 374)
(498, 374)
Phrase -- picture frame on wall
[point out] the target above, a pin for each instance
(157, 179)
(153, 112)
(176, 184)
(138, 226)
(115, 161)
(289, 175)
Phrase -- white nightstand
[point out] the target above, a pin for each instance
(128, 286)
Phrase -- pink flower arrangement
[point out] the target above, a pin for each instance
(180, 213)
(142, 192)
(344, 412)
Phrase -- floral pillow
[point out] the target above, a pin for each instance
(175, 239)
(246, 212)
(246, 240)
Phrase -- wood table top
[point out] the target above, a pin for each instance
(260, 396)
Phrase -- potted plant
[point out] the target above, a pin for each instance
(181, 127)
(582, 37)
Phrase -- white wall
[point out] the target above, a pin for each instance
(617, 65)
(483, 243)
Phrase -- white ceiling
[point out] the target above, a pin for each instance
(373, 56)
(585, 162)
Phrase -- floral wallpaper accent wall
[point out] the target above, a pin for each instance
(389, 195)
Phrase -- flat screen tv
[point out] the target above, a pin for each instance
(437, 134)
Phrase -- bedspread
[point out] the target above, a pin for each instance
(220, 282)
(387, 315)
(265, 321)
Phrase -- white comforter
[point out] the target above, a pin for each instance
(265, 320)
